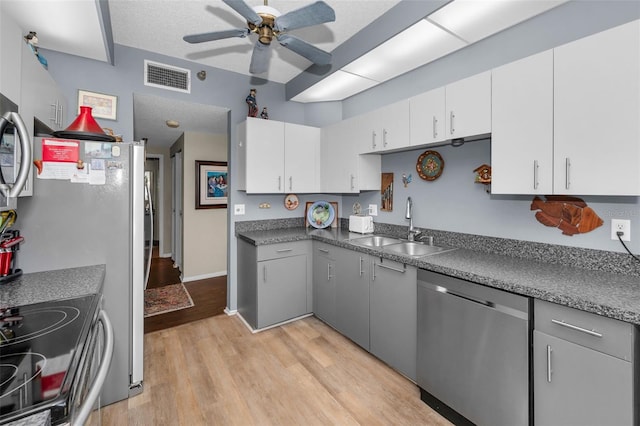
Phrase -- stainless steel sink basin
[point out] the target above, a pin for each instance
(415, 249)
(375, 241)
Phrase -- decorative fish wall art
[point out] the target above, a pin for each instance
(570, 214)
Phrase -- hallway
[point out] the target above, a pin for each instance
(209, 295)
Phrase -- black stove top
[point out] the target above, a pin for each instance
(38, 347)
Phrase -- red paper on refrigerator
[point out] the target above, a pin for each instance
(60, 150)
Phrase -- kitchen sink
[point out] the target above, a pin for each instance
(415, 249)
(375, 241)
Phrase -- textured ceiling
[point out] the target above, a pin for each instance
(158, 26)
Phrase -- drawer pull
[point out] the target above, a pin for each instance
(402, 271)
(325, 251)
(284, 250)
(576, 328)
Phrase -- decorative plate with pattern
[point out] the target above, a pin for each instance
(430, 165)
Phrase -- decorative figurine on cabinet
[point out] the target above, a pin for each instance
(32, 40)
(253, 104)
(264, 114)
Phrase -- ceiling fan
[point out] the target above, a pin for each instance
(268, 23)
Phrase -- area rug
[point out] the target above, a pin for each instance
(168, 298)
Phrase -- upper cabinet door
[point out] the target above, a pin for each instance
(426, 118)
(301, 158)
(597, 113)
(468, 107)
(385, 129)
(264, 156)
(522, 126)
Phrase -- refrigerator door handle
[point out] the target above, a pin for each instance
(148, 265)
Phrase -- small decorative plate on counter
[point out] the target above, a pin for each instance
(291, 202)
(321, 214)
(430, 165)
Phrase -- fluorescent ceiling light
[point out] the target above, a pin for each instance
(339, 85)
(473, 20)
(418, 45)
(454, 26)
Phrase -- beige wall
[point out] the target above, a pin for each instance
(204, 230)
(165, 249)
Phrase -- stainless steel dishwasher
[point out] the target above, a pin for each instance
(473, 351)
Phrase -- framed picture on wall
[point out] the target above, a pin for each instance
(212, 184)
(102, 106)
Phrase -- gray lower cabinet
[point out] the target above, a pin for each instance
(352, 295)
(324, 283)
(393, 314)
(274, 282)
(583, 368)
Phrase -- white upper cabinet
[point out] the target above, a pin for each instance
(277, 157)
(301, 158)
(597, 113)
(426, 117)
(468, 107)
(386, 129)
(262, 156)
(343, 169)
(522, 126)
(10, 54)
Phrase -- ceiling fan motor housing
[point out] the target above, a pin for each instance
(265, 30)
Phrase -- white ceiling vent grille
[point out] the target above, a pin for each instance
(167, 77)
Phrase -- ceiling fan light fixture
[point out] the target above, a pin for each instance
(174, 124)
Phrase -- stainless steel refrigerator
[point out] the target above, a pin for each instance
(95, 216)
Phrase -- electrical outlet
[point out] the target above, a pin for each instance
(238, 209)
(621, 225)
(373, 209)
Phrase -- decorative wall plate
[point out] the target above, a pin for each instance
(291, 202)
(430, 165)
(321, 214)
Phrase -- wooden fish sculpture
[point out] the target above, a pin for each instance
(570, 214)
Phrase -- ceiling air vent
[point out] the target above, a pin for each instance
(166, 76)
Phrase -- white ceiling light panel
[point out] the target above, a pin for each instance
(473, 20)
(339, 85)
(418, 45)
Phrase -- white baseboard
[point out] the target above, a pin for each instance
(230, 312)
(165, 254)
(204, 276)
(254, 331)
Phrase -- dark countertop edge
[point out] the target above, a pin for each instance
(340, 238)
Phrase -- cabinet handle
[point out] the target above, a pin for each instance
(549, 350)
(279, 183)
(373, 139)
(284, 250)
(290, 183)
(264, 273)
(567, 178)
(324, 251)
(402, 271)
(435, 127)
(452, 116)
(535, 174)
(61, 110)
(352, 184)
(53, 115)
(328, 272)
(576, 328)
(361, 271)
(384, 137)
(373, 271)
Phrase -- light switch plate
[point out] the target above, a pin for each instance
(373, 209)
(238, 209)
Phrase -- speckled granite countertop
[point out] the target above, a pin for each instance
(52, 285)
(613, 295)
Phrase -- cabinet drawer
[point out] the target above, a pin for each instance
(593, 331)
(324, 250)
(280, 250)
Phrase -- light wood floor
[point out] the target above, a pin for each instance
(214, 371)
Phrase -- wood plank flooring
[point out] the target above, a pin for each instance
(215, 371)
(209, 296)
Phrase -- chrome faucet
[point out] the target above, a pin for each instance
(409, 215)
